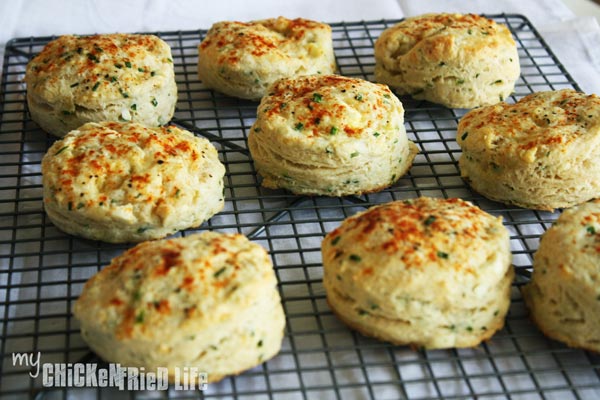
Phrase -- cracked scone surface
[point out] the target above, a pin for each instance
(330, 135)
(539, 153)
(242, 59)
(113, 77)
(564, 292)
(459, 61)
(432, 273)
(207, 300)
(124, 182)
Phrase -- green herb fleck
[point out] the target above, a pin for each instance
(441, 64)
(123, 93)
(591, 230)
(152, 73)
(464, 136)
(339, 277)
(355, 258)
(92, 57)
(61, 150)
(299, 126)
(429, 220)
(282, 106)
(376, 134)
(333, 130)
(460, 81)
(497, 82)
(219, 272)
(154, 102)
(470, 328)
(141, 70)
(260, 343)
(335, 240)
(359, 97)
(133, 107)
(128, 64)
(510, 59)
(70, 206)
(75, 84)
(355, 154)
(256, 130)
(142, 230)
(317, 98)
(387, 96)
(95, 86)
(441, 254)
(119, 65)
(470, 32)
(140, 317)
(374, 306)
(66, 112)
(80, 205)
(113, 79)
(362, 312)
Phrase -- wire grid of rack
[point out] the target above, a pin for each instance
(42, 270)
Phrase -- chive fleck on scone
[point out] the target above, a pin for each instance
(124, 182)
(115, 77)
(330, 135)
(460, 61)
(242, 59)
(207, 300)
(564, 293)
(540, 153)
(433, 273)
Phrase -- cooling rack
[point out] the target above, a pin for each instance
(42, 270)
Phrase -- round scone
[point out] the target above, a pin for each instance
(113, 77)
(563, 296)
(540, 153)
(432, 273)
(330, 135)
(242, 59)
(459, 61)
(207, 300)
(124, 182)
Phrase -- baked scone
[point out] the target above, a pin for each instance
(124, 182)
(459, 61)
(330, 135)
(242, 59)
(563, 296)
(540, 153)
(112, 77)
(207, 300)
(432, 273)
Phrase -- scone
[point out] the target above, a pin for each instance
(431, 273)
(113, 77)
(563, 296)
(330, 135)
(242, 59)
(459, 61)
(540, 153)
(207, 300)
(123, 182)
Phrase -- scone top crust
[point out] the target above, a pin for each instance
(326, 115)
(176, 287)
(427, 250)
(235, 42)
(442, 36)
(542, 125)
(576, 236)
(90, 71)
(129, 172)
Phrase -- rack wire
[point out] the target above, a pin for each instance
(42, 270)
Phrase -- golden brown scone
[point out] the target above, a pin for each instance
(564, 293)
(207, 300)
(115, 77)
(242, 59)
(540, 153)
(459, 61)
(432, 273)
(124, 182)
(330, 135)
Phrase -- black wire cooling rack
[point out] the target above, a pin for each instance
(42, 270)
